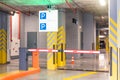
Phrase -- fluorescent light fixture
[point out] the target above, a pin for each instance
(12, 12)
(101, 36)
(105, 33)
(102, 2)
(102, 17)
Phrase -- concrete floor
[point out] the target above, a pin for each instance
(55, 75)
(95, 63)
(66, 75)
(13, 66)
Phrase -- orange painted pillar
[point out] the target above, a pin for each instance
(35, 59)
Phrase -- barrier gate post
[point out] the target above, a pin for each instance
(23, 59)
(35, 59)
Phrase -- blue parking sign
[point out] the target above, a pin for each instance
(43, 15)
(42, 26)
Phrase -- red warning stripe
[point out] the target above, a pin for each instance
(67, 51)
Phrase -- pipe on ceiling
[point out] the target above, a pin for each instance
(19, 24)
(15, 9)
(73, 9)
(6, 12)
(78, 6)
(11, 28)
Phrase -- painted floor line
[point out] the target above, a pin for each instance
(7, 73)
(17, 74)
(79, 76)
(3, 74)
(12, 72)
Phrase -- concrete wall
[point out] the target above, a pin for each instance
(73, 31)
(15, 43)
(85, 24)
(31, 24)
(15, 25)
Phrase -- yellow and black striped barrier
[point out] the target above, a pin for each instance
(3, 46)
(61, 42)
(56, 40)
(52, 57)
(107, 44)
(97, 43)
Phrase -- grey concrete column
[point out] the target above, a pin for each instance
(88, 31)
(113, 38)
(61, 18)
(61, 38)
(22, 31)
(118, 21)
(8, 39)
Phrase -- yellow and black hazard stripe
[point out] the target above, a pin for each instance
(51, 44)
(3, 46)
(119, 44)
(61, 43)
(114, 51)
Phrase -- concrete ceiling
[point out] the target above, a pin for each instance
(91, 6)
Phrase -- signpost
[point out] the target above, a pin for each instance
(48, 21)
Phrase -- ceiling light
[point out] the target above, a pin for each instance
(102, 2)
(105, 33)
(101, 36)
(12, 12)
(102, 17)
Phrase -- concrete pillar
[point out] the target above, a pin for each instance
(62, 19)
(61, 39)
(88, 31)
(51, 44)
(74, 32)
(113, 40)
(8, 40)
(22, 31)
(118, 34)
